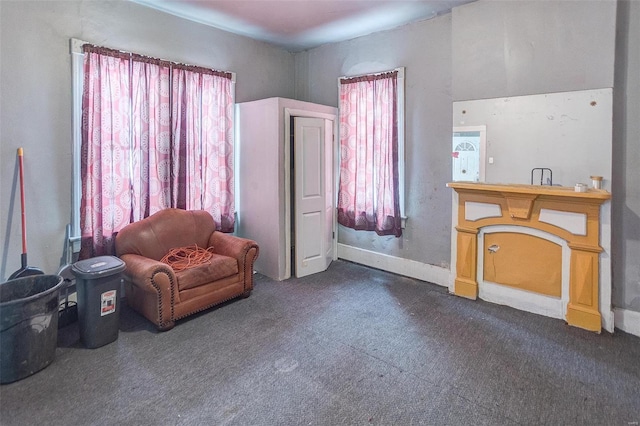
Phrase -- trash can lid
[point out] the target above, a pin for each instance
(98, 267)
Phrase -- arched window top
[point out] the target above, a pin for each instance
(465, 146)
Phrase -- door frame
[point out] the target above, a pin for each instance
(289, 113)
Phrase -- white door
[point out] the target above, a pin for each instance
(313, 194)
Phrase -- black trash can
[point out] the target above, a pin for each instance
(98, 281)
(28, 325)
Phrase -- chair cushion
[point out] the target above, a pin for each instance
(217, 268)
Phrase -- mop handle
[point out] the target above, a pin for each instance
(24, 222)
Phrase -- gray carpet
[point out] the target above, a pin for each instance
(351, 346)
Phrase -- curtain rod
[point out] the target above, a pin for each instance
(76, 46)
(400, 71)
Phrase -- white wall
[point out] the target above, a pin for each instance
(510, 48)
(424, 48)
(35, 101)
(626, 158)
(261, 187)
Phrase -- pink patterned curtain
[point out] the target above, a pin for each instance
(106, 198)
(217, 150)
(186, 139)
(155, 135)
(151, 137)
(203, 144)
(368, 196)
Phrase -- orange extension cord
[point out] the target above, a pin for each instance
(182, 258)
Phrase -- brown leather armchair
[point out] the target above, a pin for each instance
(163, 296)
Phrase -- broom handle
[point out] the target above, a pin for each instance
(24, 217)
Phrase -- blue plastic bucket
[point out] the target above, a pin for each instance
(28, 325)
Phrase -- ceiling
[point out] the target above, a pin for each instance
(297, 25)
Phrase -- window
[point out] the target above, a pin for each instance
(371, 190)
(154, 134)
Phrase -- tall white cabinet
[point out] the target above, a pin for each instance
(284, 164)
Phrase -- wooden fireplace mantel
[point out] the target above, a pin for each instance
(561, 211)
(514, 188)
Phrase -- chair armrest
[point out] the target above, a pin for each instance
(156, 279)
(230, 245)
(141, 270)
(245, 251)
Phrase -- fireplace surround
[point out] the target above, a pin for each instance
(529, 243)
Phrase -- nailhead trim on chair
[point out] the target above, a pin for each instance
(207, 307)
(252, 262)
(171, 283)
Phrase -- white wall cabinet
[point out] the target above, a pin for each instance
(277, 175)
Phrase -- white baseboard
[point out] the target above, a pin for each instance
(627, 321)
(396, 265)
(521, 299)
